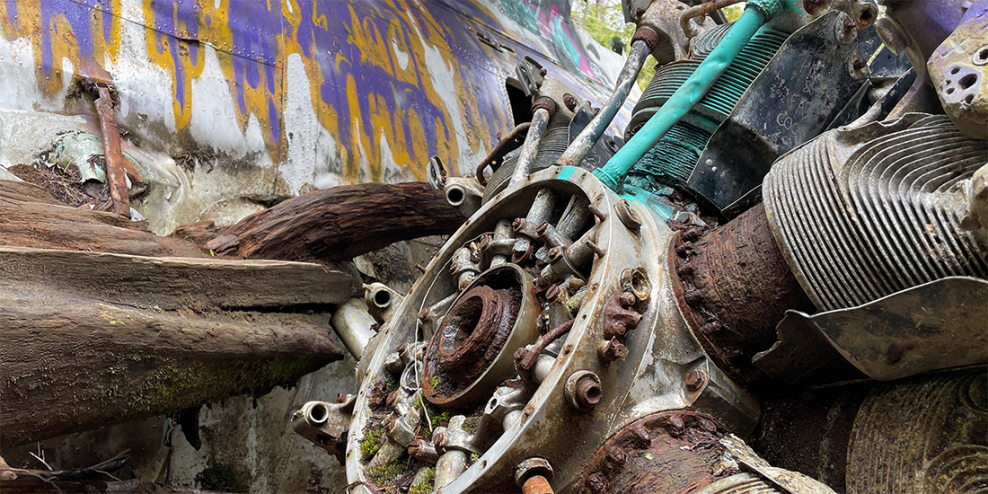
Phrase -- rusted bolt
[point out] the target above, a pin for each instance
(555, 254)
(536, 484)
(439, 439)
(693, 296)
(518, 224)
(683, 249)
(541, 229)
(602, 216)
(641, 436)
(617, 318)
(639, 12)
(628, 216)
(695, 379)
(543, 72)
(849, 26)
(596, 481)
(582, 390)
(676, 425)
(611, 350)
(845, 29)
(859, 65)
(711, 327)
(588, 393)
(552, 293)
(570, 101)
(532, 467)
(424, 313)
(420, 268)
(485, 243)
(596, 249)
(341, 398)
(616, 456)
(691, 234)
(684, 269)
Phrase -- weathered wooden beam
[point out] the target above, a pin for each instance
(172, 283)
(29, 217)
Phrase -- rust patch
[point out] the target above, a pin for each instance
(733, 287)
(471, 338)
(665, 453)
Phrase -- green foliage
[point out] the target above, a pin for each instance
(434, 382)
(427, 485)
(391, 384)
(733, 12)
(386, 474)
(603, 20)
(372, 442)
(474, 457)
(440, 419)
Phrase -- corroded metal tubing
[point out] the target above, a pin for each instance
(581, 146)
(530, 149)
(116, 173)
(536, 484)
(734, 287)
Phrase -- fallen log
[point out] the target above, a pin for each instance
(72, 363)
(340, 223)
(109, 322)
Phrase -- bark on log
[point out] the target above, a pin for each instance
(142, 325)
(341, 223)
(71, 363)
(29, 217)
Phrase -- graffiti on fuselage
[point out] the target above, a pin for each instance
(332, 92)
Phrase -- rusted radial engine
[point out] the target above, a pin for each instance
(545, 325)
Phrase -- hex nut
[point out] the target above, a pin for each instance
(530, 467)
(582, 390)
(627, 215)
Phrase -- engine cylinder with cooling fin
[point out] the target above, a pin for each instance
(867, 213)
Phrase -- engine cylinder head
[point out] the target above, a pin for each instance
(860, 216)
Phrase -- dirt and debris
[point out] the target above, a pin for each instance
(65, 185)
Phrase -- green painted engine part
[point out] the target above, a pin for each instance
(692, 91)
(671, 161)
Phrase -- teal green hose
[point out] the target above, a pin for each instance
(689, 94)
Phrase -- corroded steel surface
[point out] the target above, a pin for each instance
(734, 285)
(666, 453)
(468, 341)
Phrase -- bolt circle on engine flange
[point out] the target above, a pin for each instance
(472, 350)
